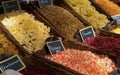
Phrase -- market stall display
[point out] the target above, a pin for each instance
(105, 44)
(62, 20)
(89, 13)
(84, 62)
(30, 33)
(69, 60)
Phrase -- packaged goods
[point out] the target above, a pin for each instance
(84, 62)
(109, 6)
(63, 20)
(88, 12)
(30, 33)
(107, 44)
(38, 70)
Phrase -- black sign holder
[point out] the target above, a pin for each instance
(89, 28)
(8, 2)
(10, 58)
(53, 42)
(43, 3)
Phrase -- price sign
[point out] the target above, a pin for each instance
(10, 6)
(55, 46)
(43, 3)
(87, 32)
(117, 18)
(13, 62)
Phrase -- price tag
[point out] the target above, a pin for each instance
(13, 62)
(43, 3)
(117, 18)
(55, 46)
(87, 32)
(10, 6)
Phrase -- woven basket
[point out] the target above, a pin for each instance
(68, 44)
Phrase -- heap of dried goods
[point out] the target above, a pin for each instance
(84, 62)
(88, 12)
(107, 44)
(30, 33)
(109, 6)
(6, 46)
(63, 20)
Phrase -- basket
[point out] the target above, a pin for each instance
(68, 44)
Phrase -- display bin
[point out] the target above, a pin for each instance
(13, 40)
(40, 57)
(30, 9)
(65, 5)
(24, 55)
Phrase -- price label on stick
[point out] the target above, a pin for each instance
(43, 3)
(13, 62)
(55, 46)
(87, 32)
(10, 6)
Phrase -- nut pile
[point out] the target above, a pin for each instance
(63, 20)
(30, 33)
(84, 62)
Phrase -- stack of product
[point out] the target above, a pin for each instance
(84, 62)
(63, 20)
(30, 33)
(89, 13)
(111, 8)
(106, 44)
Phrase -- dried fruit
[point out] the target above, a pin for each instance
(84, 62)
